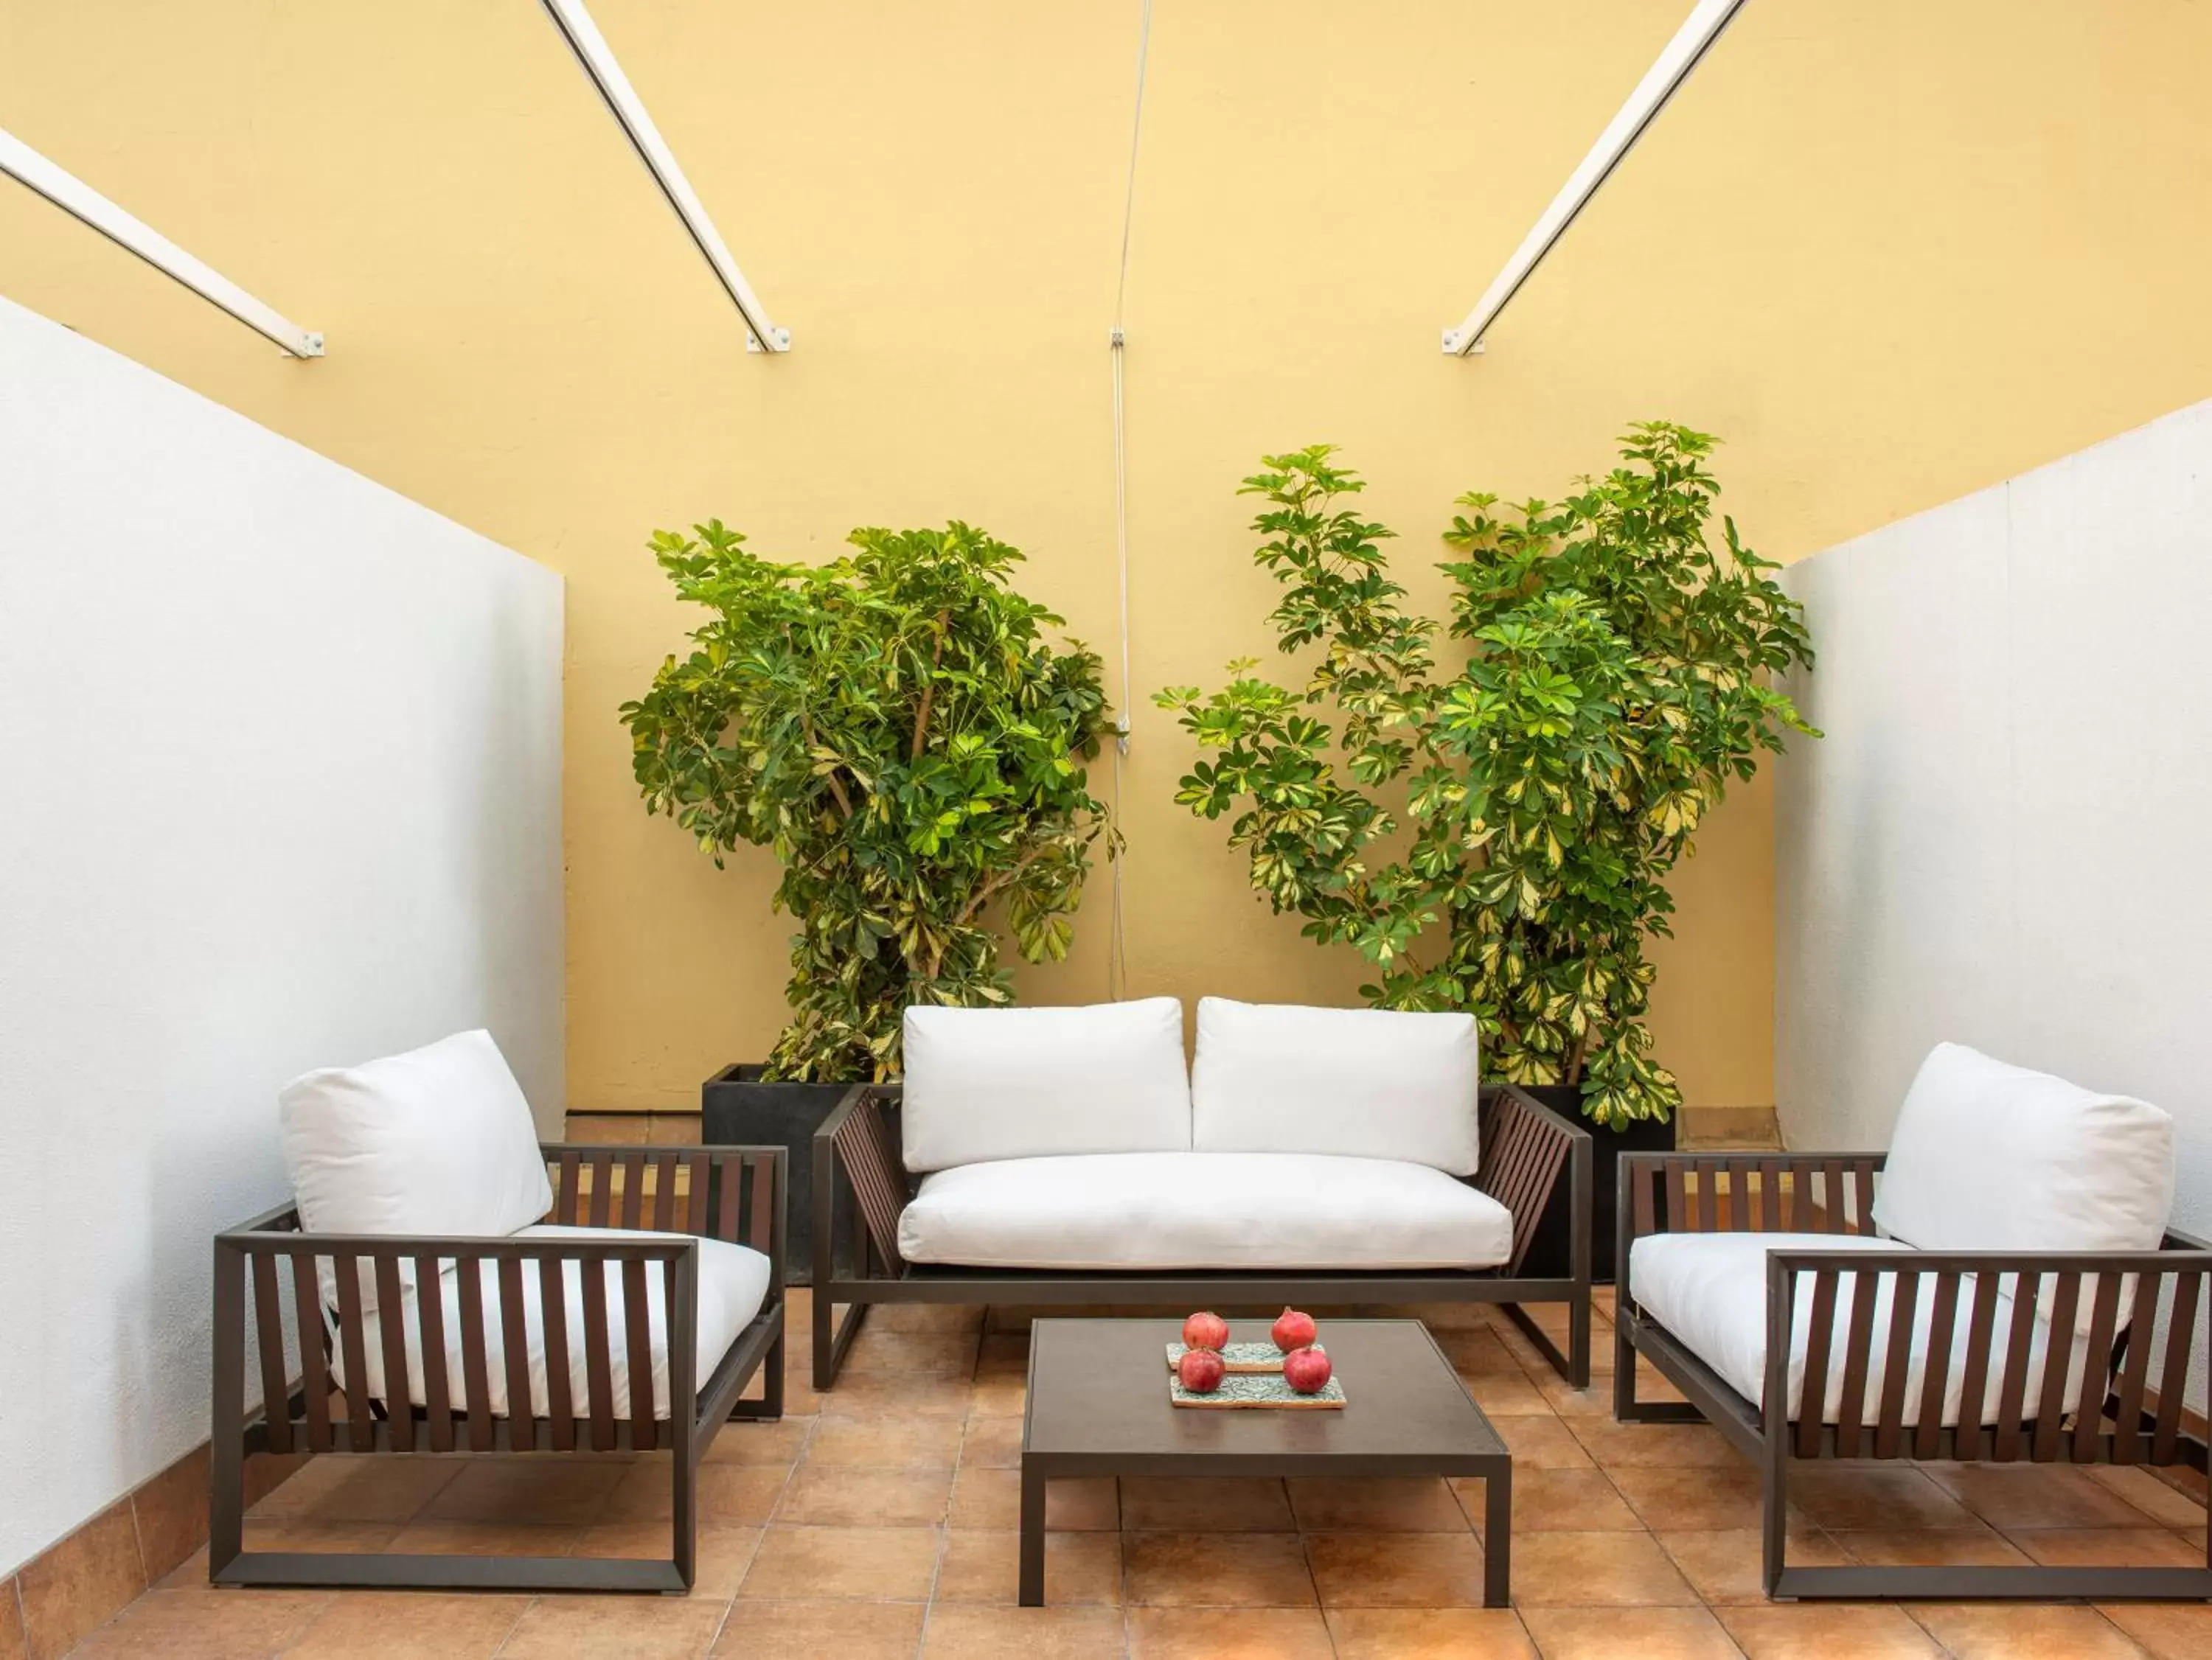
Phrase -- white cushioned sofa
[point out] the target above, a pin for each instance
(1069, 1156)
(459, 1288)
(2002, 1285)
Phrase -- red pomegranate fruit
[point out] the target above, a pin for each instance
(1201, 1371)
(1206, 1331)
(1293, 1331)
(1306, 1370)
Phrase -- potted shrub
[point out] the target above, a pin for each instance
(1494, 832)
(898, 728)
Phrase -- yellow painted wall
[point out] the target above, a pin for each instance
(1892, 251)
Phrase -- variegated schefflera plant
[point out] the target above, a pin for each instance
(1494, 832)
(898, 728)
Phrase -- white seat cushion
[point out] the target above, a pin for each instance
(1225, 1210)
(437, 1140)
(1364, 1083)
(1710, 1290)
(1024, 1083)
(732, 1285)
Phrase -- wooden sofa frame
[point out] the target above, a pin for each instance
(2128, 1410)
(735, 1194)
(1525, 1147)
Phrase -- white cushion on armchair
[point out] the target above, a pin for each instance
(1992, 1157)
(1364, 1083)
(436, 1141)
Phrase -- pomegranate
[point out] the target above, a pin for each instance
(1292, 1331)
(1201, 1371)
(1306, 1370)
(1206, 1331)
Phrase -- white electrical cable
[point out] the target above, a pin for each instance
(1117, 964)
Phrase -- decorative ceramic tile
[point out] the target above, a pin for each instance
(1257, 1388)
(1244, 1357)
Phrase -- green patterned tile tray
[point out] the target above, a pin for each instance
(1243, 1357)
(1257, 1388)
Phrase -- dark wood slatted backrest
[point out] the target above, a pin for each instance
(667, 1219)
(870, 1156)
(1522, 1157)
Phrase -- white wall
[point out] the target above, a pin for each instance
(2006, 836)
(280, 764)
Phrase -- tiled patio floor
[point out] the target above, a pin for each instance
(878, 1520)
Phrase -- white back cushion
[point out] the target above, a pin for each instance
(1364, 1082)
(436, 1141)
(1992, 1157)
(1025, 1083)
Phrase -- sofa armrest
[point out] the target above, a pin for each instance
(1872, 1299)
(856, 1141)
(1525, 1145)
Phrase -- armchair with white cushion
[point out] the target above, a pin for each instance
(2001, 1285)
(456, 1287)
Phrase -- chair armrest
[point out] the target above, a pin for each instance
(1525, 1145)
(1885, 1335)
(855, 1142)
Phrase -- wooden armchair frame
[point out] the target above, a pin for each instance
(1526, 1148)
(2127, 1407)
(735, 1194)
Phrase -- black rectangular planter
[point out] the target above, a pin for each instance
(737, 1109)
(1548, 1255)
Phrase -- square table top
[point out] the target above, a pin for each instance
(1098, 1388)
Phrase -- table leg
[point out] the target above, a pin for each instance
(1032, 1539)
(1498, 1539)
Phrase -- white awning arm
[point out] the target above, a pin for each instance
(628, 109)
(78, 199)
(1690, 43)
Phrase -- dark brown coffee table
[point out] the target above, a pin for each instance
(1098, 1406)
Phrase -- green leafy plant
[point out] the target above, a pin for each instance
(1495, 834)
(896, 728)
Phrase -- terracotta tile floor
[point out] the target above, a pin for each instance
(878, 1520)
